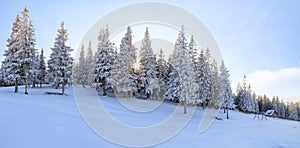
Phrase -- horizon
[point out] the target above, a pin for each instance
(260, 41)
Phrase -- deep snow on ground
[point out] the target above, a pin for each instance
(39, 120)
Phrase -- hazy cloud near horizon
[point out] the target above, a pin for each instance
(286, 82)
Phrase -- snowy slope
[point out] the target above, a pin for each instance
(39, 120)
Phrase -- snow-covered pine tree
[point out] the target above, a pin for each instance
(182, 63)
(252, 102)
(42, 72)
(1, 75)
(11, 69)
(294, 111)
(82, 73)
(173, 92)
(33, 73)
(122, 77)
(225, 86)
(216, 92)
(60, 62)
(75, 73)
(162, 67)
(26, 51)
(133, 56)
(193, 51)
(281, 109)
(91, 64)
(255, 103)
(203, 78)
(147, 66)
(244, 98)
(103, 61)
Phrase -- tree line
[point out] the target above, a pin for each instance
(247, 101)
(190, 76)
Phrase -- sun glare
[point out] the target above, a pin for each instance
(136, 66)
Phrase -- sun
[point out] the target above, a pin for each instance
(136, 66)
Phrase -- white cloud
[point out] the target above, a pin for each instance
(285, 83)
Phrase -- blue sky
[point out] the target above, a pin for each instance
(257, 38)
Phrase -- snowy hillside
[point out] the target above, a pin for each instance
(39, 120)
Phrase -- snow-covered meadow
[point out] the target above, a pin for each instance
(39, 120)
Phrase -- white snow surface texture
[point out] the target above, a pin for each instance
(38, 120)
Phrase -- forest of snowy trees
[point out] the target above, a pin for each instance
(190, 76)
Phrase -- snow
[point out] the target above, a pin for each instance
(39, 120)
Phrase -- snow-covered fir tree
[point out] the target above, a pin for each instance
(162, 67)
(91, 64)
(173, 84)
(226, 88)
(103, 61)
(122, 76)
(81, 68)
(193, 51)
(147, 71)
(255, 103)
(204, 80)
(60, 62)
(33, 73)
(42, 72)
(217, 91)
(26, 50)
(133, 77)
(184, 66)
(244, 100)
(11, 69)
(294, 111)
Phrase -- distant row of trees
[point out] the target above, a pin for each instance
(23, 65)
(247, 101)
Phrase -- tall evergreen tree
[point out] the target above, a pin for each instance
(203, 77)
(122, 72)
(173, 92)
(91, 64)
(255, 103)
(216, 91)
(162, 67)
(147, 65)
(42, 72)
(82, 72)
(244, 100)
(103, 61)
(35, 71)
(225, 86)
(186, 72)
(60, 62)
(11, 69)
(26, 52)
(193, 51)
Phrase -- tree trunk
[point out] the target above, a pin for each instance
(184, 106)
(62, 88)
(104, 91)
(16, 85)
(227, 112)
(203, 105)
(26, 86)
